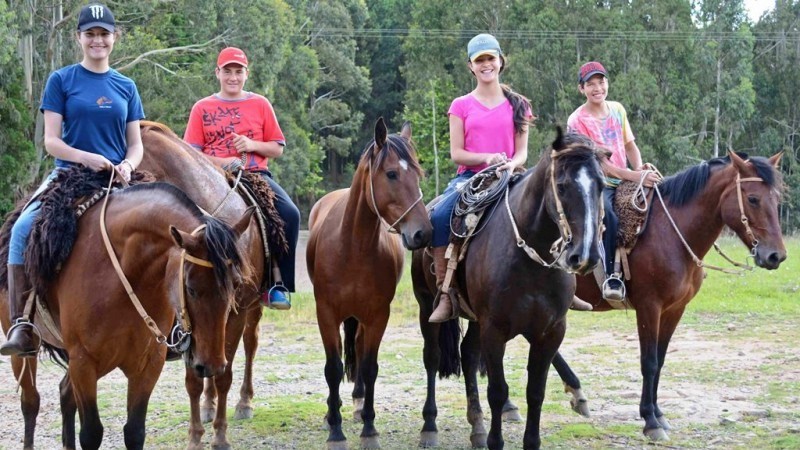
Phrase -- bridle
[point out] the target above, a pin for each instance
(185, 322)
(559, 246)
(390, 228)
(743, 217)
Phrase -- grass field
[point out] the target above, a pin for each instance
(731, 379)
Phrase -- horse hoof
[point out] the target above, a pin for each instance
(580, 406)
(478, 440)
(512, 415)
(221, 446)
(243, 413)
(428, 439)
(664, 423)
(370, 442)
(337, 445)
(656, 434)
(206, 415)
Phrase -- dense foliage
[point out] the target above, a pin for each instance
(697, 77)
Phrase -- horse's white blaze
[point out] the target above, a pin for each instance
(589, 223)
(404, 164)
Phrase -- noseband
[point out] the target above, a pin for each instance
(391, 228)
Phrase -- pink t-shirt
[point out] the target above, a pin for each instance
(611, 132)
(485, 130)
(213, 120)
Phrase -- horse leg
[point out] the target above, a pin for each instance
(244, 409)
(209, 408)
(431, 356)
(470, 363)
(572, 385)
(648, 323)
(84, 384)
(493, 349)
(233, 334)
(25, 371)
(140, 387)
(540, 356)
(334, 371)
(368, 366)
(194, 388)
(68, 409)
(669, 322)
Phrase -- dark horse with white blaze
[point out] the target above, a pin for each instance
(512, 289)
(666, 267)
(355, 264)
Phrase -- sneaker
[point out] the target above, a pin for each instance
(614, 289)
(277, 298)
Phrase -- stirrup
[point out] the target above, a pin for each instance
(614, 295)
(281, 289)
(21, 322)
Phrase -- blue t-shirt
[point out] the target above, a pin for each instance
(96, 108)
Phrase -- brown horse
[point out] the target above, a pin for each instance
(171, 267)
(556, 208)
(740, 193)
(355, 265)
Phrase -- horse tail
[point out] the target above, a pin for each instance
(449, 338)
(57, 355)
(350, 329)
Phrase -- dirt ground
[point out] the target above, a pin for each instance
(718, 388)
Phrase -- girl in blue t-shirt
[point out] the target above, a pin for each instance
(91, 118)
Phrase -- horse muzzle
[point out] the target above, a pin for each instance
(769, 259)
(417, 238)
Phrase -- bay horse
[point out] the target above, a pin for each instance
(355, 264)
(178, 262)
(556, 205)
(168, 158)
(735, 191)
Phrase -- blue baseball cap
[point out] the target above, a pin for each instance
(483, 44)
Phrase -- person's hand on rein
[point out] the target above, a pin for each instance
(96, 162)
(125, 169)
(243, 144)
(649, 178)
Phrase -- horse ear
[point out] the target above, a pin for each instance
(380, 133)
(178, 236)
(558, 144)
(406, 131)
(737, 161)
(244, 222)
(775, 159)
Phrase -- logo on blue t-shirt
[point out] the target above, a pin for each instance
(104, 102)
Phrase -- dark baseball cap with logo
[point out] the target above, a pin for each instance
(589, 69)
(96, 15)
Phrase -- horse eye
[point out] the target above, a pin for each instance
(191, 292)
(392, 175)
(753, 200)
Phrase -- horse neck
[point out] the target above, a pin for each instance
(700, 220)
(529, 207)
(359, 215)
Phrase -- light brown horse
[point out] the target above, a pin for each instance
(355, 265)
(174, 257)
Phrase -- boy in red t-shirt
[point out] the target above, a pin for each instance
(236, 128)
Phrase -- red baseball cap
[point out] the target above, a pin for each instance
(231, 55)
(589, 69)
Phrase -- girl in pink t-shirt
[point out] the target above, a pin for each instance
(487, 126)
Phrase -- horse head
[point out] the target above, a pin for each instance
(750, 208)
(395, 196)
(211, 269)
(574, 200)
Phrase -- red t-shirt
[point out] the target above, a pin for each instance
(213, 120)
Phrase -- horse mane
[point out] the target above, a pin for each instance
(404, 149)
(684, 186)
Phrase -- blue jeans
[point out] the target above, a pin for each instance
(22, 227)
(440, 215)
(291, 218)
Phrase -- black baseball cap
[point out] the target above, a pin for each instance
(96, 15)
